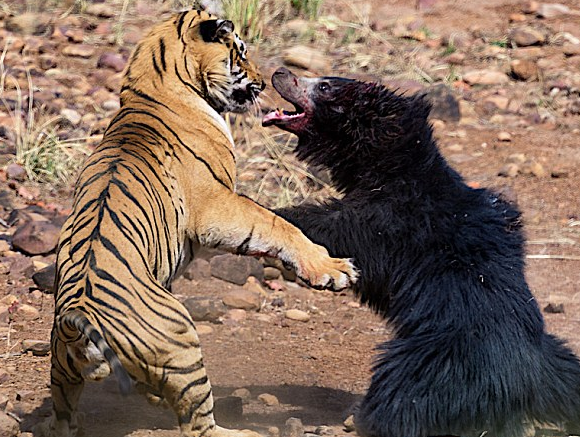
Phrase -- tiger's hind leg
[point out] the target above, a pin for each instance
(66, 385)
(183, 383)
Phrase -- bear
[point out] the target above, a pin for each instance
(440, 261)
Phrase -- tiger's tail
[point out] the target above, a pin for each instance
(73, 323)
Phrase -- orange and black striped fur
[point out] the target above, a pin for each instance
(162, 181)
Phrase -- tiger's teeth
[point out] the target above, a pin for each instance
(279, 112)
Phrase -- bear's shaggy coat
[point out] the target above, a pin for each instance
(443, 263)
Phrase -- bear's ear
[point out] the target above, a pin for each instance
(212, 30)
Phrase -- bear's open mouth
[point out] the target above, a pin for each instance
(282, 116)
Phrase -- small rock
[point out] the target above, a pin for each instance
(28, 312)
(8, 426)
(444, 104)
(485, 77)
(243, 393)
(235, 269)
(101, 10)
(112, 60)
(47, 61)
(44, 278)
(554, 308)
(228, 409)
(29, 23)
(509, 170)
(348, 424)
(526, 36)
(242, 299)
(517, 18)
(498, 102)
(38, 348)
(202, 329)
(504, 136)
(559, 173)
(524, 69)
(293, 428)
(36, 238)
(198, 269)
(235, 316)
(273, 431)
(571, 49)
(307, 58)
(269, 400)
(28, 193)
(16, 172)
(20, 267)
(324, 430)
(205, 309)
(253, 285)
(75, 35)
(298, 315)
(79, 51)
(531, 7)
(534, 168)
(271, 273)
(551, 10)
(4, 247)
(72, 116)
(4, 376)
(456, 58)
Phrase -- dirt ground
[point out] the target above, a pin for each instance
(319, 369)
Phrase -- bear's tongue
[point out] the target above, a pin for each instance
(278, 115)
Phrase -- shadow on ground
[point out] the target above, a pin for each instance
(108, 414)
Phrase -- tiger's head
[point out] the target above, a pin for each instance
(194, 55)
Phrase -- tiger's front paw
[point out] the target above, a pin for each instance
(319, 270)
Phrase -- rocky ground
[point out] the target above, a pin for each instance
(504, 76)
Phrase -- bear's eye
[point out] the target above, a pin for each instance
(323, 87)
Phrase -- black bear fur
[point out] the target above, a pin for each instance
(442, 262)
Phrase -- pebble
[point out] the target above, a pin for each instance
(112, 60)
(72, 116)
(39, 348)
(571, 49)
(504, 136)
(534, 168)
(28, 312)
(271, 273)
(485, 77)
(203, 329)
(526, 36)
(348, 424)
(524, 69)
(235, 316)
(101, 10)
(36, 238)
(44, 278)
(8, 426)
(198, 269)
(552, 308)
(273, 431)
(4, 246)
(79, 50)
(205, 309)
(551, 10)
(16, 172)
(235, 268)
(293, 427)
(243, 393)
(268, 399)
(509, 170)
(298, 315)
(242, 299)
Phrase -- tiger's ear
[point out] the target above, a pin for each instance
(212, 30)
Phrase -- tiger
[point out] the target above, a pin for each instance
(160, 184)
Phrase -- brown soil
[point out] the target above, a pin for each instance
(319, 369)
